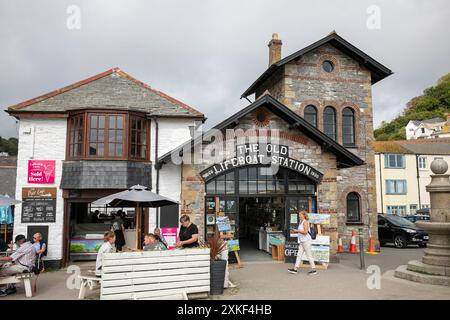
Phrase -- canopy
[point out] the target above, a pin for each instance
(135, 196)
(6, 201)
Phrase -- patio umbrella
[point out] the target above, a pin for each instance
(5, 211)
(135, 197)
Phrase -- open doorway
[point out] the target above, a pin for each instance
(254, 213)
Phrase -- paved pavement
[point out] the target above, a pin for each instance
(270, 280)
(261, 280)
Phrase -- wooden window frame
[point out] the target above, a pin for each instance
(334, 122)
(133, 116)
(126, 135)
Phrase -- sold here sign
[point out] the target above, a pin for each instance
(41, 171)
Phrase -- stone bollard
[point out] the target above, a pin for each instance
(435, 265)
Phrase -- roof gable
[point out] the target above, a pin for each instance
(344, 157)
(112, 89)
(377, 70)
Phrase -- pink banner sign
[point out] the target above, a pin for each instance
(171, 237)
(41, 171)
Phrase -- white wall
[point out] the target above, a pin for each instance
(414, 185)
(172, 133)
(42, 139)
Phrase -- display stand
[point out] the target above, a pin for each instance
(226, 235)
(319, 265)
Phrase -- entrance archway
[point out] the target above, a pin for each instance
(253, 197)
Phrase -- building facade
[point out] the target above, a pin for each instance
(320, 100)
(426, 129)
(95, 137)
(403, 172)
(305, 143)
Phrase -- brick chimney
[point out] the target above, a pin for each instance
(274, 49)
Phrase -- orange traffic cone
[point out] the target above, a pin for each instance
(371, 247)
(353, 243)
(340, 247)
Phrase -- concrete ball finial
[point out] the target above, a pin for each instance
(439, 166)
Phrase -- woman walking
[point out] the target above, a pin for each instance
(304, 244)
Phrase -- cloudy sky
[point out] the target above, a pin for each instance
(207, 52)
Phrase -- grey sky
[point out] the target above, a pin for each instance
(207, 52)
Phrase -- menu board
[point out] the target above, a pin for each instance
(38, 205)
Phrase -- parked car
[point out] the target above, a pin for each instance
(417, 217)
(400, 231)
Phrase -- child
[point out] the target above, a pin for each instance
(107, 247)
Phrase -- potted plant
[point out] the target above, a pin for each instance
(218, 266)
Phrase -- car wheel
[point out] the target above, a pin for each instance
(400, 241)
(422, 245)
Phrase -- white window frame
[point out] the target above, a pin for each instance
(397, 157)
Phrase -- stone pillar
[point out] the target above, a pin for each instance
(438, 248)
(435, 265)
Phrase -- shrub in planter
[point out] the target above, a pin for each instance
(218, 266)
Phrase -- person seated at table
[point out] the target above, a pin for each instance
(152, 244)
(41, 248)
(160, 237)
(22, 260)
(107, 247)
(188, 234)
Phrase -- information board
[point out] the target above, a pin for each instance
(38, 205)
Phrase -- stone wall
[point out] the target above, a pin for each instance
(300, 147)
(304, 82)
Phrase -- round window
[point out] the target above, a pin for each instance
(328, 66)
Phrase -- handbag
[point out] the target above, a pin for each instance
(312, 232)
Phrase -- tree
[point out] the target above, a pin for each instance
(9, 146)
(434, 102)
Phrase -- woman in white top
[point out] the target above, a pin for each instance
(107, 247)
(304, 244)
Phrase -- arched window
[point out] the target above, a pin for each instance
(348, 127)
(329, 122)
(353, 207)
(310, 115)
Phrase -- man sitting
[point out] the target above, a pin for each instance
(20, 261)
(152, 244)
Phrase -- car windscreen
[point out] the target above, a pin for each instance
(400, 221)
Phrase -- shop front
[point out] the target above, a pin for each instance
(265, 179)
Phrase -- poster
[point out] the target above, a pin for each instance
(38, 205)
(171, 237)
(233, 245)
(223, 224)
(319, 218)
(294, 218)
(41, 171)
(85, 246)
(321, 253)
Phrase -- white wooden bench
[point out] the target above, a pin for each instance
(171, 274)
(17, 278)
(88, 281)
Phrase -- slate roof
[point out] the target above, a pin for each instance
(112, 89)
(377, 70)
(428, 121)
(344, 157)
(437, 146)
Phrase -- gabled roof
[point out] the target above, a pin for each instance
(344, 157)
(436, 146)
(112, 89)
(377, 70)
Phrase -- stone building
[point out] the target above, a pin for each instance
(320, 100)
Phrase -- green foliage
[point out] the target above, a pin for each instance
(434, 102)
(9, 145)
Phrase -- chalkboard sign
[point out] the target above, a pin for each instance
(38, 205)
